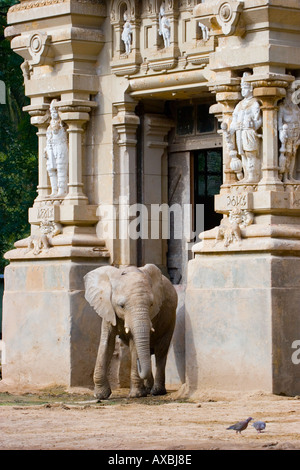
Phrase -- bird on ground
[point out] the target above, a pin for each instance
(259, 425)
(240, 426)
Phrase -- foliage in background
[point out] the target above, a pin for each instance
(18, 148)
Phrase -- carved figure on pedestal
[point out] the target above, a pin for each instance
(246, 121)
(56, 153)
(127, 34)
(39, 243)
(164, 26)
(139, 305)
(289, 136)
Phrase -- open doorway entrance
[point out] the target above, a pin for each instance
(195, 175)
(207, 180)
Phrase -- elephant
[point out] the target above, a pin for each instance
(139, 305)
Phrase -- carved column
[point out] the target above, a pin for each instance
(269, 93)
(40, 118)
(156, 128)
(76, 119)
(126, 123)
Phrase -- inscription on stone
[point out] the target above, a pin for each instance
(46, 213)
(237, 200)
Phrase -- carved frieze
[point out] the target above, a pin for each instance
(28, 4)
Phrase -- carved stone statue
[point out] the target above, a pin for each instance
(289, 136)
(230, 228)
(56, 153)
(246, 121)
(205, 32)
(127, 34)
(164, 26)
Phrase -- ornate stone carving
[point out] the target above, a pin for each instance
(56, 153)
(39, 49)
(289, 135)
(227, 16)
(26, 70)
(296, 93)
(244, 140)
(39, 243)
(164, 26)
(127, 34)
(230, 228)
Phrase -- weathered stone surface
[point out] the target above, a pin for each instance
(119, 109)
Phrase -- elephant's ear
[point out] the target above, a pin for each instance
(157, 286)
(98, 292)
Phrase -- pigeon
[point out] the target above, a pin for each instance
(240, 426)
(259, 426)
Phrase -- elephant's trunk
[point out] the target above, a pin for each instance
(141, 334)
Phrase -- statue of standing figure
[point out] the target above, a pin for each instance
(246, 121)
(127, 34)
(289, 136)
(56, 153)
(164, 26)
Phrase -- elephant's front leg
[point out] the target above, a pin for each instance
(105, 352)
(137, 388)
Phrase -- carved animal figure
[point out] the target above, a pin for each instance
(139, 305)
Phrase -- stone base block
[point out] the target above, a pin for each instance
(50, 333)
(242, 318)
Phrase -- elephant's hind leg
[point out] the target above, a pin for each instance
(159, 381)
(161, 349)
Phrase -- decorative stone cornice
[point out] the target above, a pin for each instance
(29, 4)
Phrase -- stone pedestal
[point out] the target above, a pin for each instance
(51, 334)
(242, 317)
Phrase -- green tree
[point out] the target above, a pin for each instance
(18, 148)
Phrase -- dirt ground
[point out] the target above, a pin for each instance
(55, 419)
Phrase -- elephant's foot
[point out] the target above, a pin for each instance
(158, 390)
(137, 392)
(102, 393)
(149, 384)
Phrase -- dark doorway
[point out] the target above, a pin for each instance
(208, 177)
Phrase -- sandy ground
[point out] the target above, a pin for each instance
(57, 420)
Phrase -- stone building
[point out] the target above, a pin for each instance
(182, 103)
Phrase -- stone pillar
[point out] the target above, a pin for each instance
(156, 128)
(126, 123)
(75, 120)
(269, 93)
(242, 298)
(39, 113)
(50, 332)
(43, 186)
